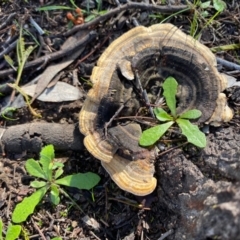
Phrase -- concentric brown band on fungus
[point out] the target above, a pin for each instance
(152, 53)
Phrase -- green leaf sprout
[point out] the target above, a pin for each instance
(49, 170)
(190, 131)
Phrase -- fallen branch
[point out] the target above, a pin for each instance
(31, 137)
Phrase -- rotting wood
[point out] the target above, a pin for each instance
(33, 136)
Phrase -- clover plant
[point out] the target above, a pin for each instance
(49, 171)
(192, 132)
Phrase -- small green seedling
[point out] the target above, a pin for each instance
(192, 132)
(201, 12)
(49, 171)
(13, 231)
(23, 54)
(7, 112)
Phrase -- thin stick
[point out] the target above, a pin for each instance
(160, 154)
(112, 118)
(148, 103)
(227, 64)
(144, 93)
(166, 234)
(38, 229)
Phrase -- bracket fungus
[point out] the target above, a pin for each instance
(146, 55)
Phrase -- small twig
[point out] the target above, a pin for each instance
(37, 27)
(170, 140)
(148, 103)
(40, 48)
(98, 46)
(166, 234)
(35, 236)
(139, 84)
(94, 235)
(102, 221)
(140, 119)
(128, 203)
(38, 229)
(72, 200)
(52, 221)
(117, 3)
(227, 64)
(112, 118)
(9, 19)
(8, 205)
(170, 149)
(135, 22)
(135, 118)
(106, 201)
(1, 143)
(56, 229)
(144, 93)
(8, 49)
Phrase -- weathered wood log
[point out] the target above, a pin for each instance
(31, 137)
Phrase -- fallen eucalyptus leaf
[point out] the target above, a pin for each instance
(60, 92)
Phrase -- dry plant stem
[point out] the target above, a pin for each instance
(106, 201)
(42, 43)
(166, 234)
(101, 220)
(125, 202)
(55, 55)
(9, 19)
(169, 150)
(112, 118)
(127, 6)
(143, 93)
(38, 229)
(136, 117)
(16, 87)
(98, 46)
(8, 49)
(145, 96)
(94, 235)
(72, 200)
(8, 205)
(34, 236)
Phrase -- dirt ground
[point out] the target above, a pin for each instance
(198, 191)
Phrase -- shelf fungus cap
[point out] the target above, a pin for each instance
(147, 56)
(222, 112)
(135, 177)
